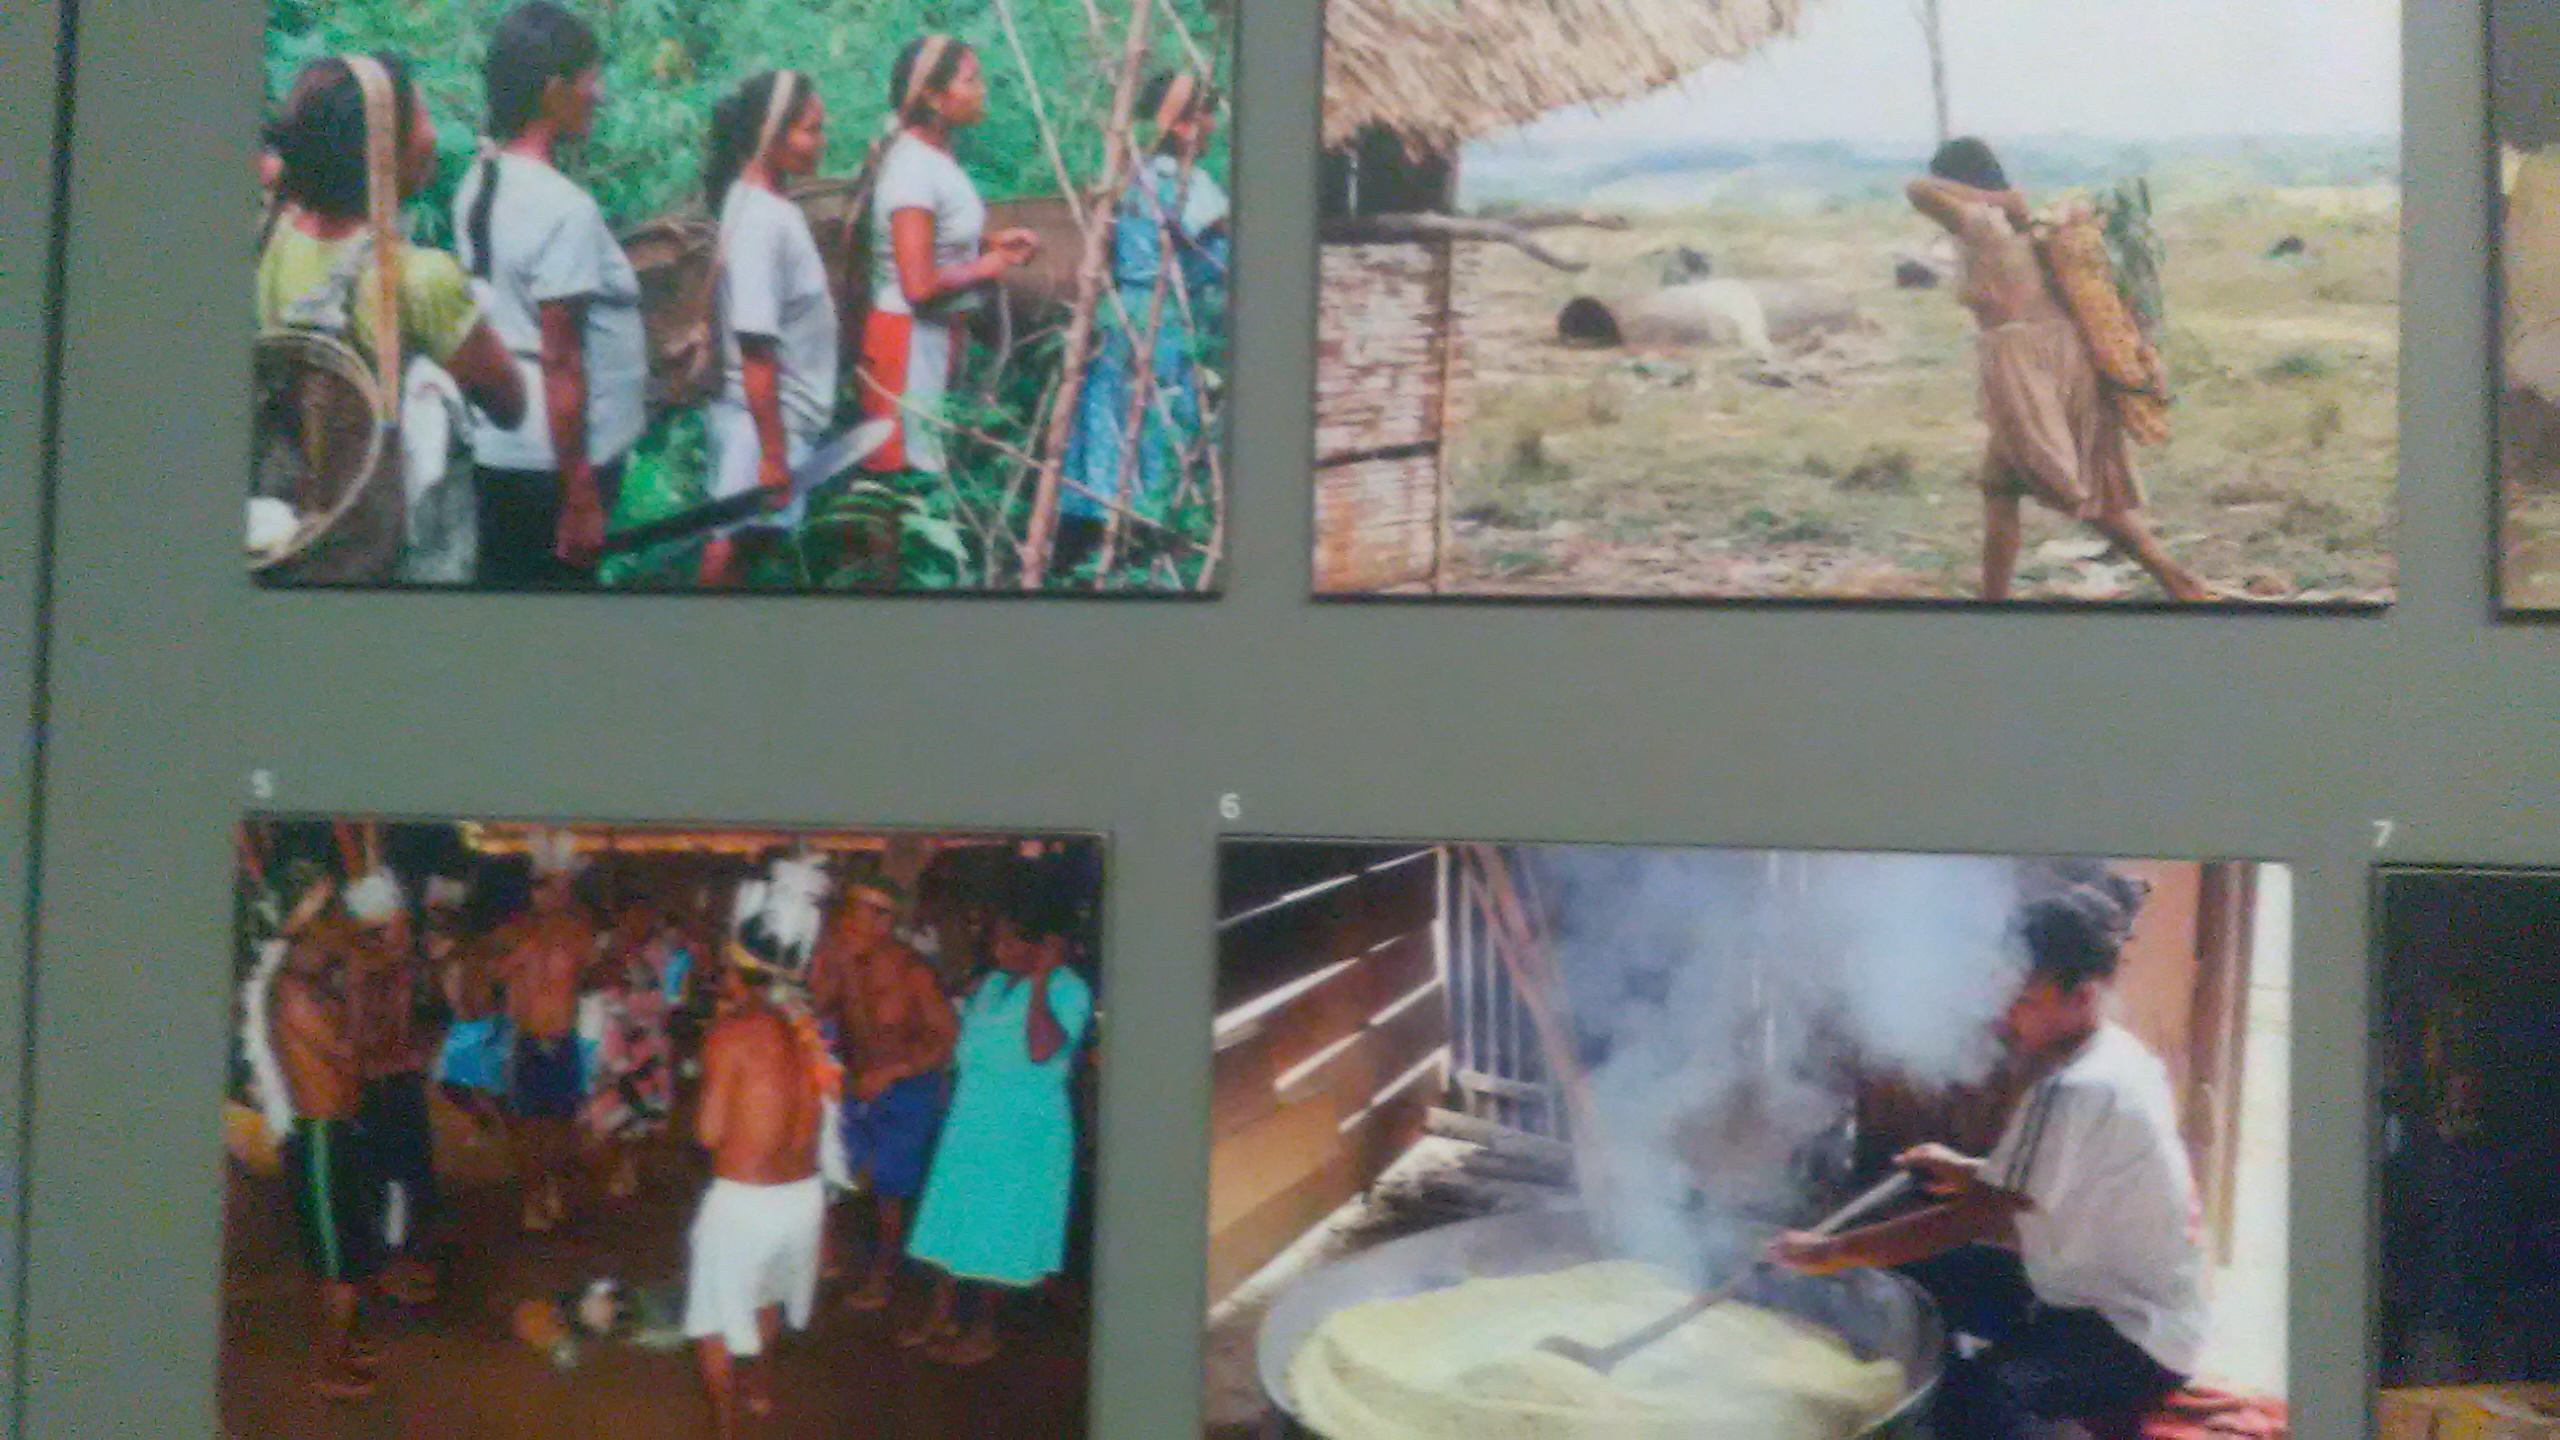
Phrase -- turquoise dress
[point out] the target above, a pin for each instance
(995, 1199)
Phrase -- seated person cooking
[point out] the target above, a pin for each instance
(2099, 1309)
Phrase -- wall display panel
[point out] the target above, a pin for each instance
(549, 1130)
(745, 297)
(1737, 303)
(1483, 1114)
(179, 694)
(32, 54)
(2525, 128)
(2464, 1070)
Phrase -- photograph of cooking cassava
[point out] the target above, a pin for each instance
(659, 1132)
(2468, 1073)
(1585, 1141)
(728, 295)
(2524, 89)
(1887, 301)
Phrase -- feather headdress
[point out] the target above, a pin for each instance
(554, 853)
(774, 922)
(376, 899)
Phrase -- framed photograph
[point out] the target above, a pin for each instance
(659, 1131)
(1877, 300)
(2466, 1072)
(555, 294)
(2524, 117)
(1612, 1140)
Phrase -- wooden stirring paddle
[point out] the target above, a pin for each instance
(1605, 1358)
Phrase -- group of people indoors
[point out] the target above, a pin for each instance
(835, 1037)
(536, 312)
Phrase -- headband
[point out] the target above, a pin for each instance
(929, 55)
(1178, 97)
(779, 105)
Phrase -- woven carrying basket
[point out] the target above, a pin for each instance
(2075, 255)
(324, 445)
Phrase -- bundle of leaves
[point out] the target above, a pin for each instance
(2135, 250)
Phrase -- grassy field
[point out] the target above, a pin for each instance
(1848, 471)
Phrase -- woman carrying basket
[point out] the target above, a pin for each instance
(930, 254)
(319, 267)
(2054, 434)
(564, 298)
(1169, 272)
(776, 317)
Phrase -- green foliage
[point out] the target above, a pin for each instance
(667, 61)
(2135, 249)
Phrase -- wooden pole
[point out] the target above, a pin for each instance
(1089, 277)
(1530, 962)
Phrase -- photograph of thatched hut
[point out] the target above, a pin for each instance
(1406, 86)
(2525, 121)
(1732, 301)
(1446, 1074)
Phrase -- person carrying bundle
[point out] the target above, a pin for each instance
(563, 296)
(2055, 433)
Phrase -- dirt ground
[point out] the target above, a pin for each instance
(1848, 470)
(456, 1370)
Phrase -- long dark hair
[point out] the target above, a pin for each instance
(536, 44)
(1151, 97)
(1967, 160)
(319, 138)
(945, 66)
(738, 119)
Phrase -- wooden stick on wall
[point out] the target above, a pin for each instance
(1528, 957)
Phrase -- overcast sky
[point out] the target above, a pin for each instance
(2161, 69)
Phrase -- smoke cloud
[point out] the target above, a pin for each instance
(1722, 1003)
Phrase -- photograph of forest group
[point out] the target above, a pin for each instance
(1581, 1141)
(659, 1132)
(1863, 300)
(721, 295)
(2525, 118)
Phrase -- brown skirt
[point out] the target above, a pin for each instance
(2053, 434)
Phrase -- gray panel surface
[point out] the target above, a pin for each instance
(30, 52)
(2276, 737)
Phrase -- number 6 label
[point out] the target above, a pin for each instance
(1230, 807)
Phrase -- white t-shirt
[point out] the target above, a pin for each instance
(772, 283)
(918, 176)
(548, 241)
(2114, 1226)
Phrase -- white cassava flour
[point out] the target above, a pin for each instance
(1464, 1364)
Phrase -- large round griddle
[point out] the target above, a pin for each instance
(1877, 1312)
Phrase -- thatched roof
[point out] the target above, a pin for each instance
(1440, 72)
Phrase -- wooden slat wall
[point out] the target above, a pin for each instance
(1259, 955)
(1284, 1157)
(1251, 876)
